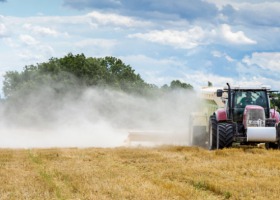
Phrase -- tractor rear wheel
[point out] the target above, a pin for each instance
(212, 143)
(226, 132)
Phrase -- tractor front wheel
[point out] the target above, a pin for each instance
(271, 145)
(226, 132)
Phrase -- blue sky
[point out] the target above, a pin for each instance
(195, 41)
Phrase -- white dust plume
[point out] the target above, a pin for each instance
(94, 118)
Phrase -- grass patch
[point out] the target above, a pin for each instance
(203, 185)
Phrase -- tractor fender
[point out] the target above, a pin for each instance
(221, 114)
(275, 115)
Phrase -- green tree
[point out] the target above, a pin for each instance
(75, 72)
(176, 84)
(275, 100)
(122, 76)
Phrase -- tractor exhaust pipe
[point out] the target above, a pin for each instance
(229, 102)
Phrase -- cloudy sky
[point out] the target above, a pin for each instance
(195, 41)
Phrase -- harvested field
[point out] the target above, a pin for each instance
(165, 172)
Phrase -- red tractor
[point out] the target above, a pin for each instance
(247, 119)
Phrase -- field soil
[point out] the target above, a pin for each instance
(166, 172)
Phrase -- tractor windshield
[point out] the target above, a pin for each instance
(242, 98)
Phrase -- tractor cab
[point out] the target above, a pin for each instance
(246, 97)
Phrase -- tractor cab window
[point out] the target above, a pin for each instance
(261, 99)
(250, 97)
(242, 98)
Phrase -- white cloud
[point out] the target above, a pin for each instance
(40, 30)
(98, 18)
(153, 70)
(243, 4)
(36, 53)
(32, 50)
(3, 30)
(28, 56)
(266, 60)
(28, 40)
(250, 75)
(199, 79)
(178, 39)
(96, 47)
(258, 80)
(219, 54)
(104, 43)
(160, 72)
(220, 4)
(11, 43)
(235, 37)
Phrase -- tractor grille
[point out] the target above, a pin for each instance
(255, 118)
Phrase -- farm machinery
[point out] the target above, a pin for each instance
(237, 115)
(229, 116)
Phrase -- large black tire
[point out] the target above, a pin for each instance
(212, 143)
(274, 145)
(271, 145)
(226, 132)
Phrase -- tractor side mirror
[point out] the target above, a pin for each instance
(219, 93)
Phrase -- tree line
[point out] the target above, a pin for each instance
(73, 72)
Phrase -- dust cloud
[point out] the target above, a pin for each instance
(93, 118)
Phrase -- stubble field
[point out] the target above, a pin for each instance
(166, 172)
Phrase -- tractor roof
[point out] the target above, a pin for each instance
(262, 87)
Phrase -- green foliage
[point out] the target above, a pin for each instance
(179, 85)
(275, 100)
(74, 72)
